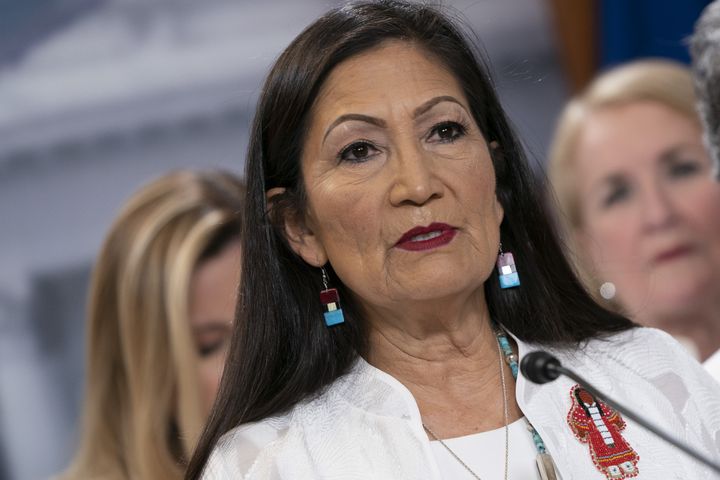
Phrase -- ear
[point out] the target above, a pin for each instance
(498, 210)
(300, 237)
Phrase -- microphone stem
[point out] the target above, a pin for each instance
(638, 419)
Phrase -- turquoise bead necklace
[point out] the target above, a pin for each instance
(545, 465)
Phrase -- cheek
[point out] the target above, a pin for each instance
(209, 372)
(702, 210)
(611, 241)
(472, 184)
(349, 225)
(484, 215)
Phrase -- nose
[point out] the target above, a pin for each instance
(415, 182)
(658, 211)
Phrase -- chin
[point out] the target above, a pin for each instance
(439, 278)
(442, 288)
(686, 282)
(679, 300)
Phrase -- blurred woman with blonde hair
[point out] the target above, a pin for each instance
(161, 307)
(637, 203)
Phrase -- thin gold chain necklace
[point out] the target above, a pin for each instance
(505, 419)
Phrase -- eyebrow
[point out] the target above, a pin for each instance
(425, 107)
(354, 116)
(605, 183)
(434, 101)
(613, 180)
(667, 156)
(212, 326)
(675, 152)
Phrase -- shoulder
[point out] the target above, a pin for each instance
(639, 346)
(712, 365)
(636, 334)
(295, 444)
(645, 365)
(651, 364)
(644, 369)
(237, 452)
(251, 450)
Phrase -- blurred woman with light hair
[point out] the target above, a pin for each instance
(638, 206)
(161, 308)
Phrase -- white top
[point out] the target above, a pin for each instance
(484, 453)
(712, 365)
(366, 425)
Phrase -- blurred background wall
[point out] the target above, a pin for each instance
(99, 96)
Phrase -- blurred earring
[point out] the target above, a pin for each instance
(506, 269)
(331, 302)
(607, 290)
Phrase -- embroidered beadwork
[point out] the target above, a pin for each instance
(598, 425)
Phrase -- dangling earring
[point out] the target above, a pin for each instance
(506, 269)
(331, 302)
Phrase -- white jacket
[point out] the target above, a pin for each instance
(712, 364)
(366, 425)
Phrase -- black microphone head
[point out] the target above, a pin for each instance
(540, 367)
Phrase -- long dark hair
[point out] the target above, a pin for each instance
(281, 351)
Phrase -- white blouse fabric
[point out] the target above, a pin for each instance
(367, 425)
(712, 365)
(484, 453)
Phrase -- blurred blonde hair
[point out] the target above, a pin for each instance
(142, 413)
(663, 81)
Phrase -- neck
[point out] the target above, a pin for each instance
(701, 327)
(446, 354)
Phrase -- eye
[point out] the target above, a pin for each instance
(684, 169)
(447, 132)
(617, 194)
(209, 348)
(357, 152)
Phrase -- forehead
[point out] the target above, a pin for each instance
(213, 285)
(632, 134)
(396, 73)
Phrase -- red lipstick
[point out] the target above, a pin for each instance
(426, 238)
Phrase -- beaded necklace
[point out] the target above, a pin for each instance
(544, 461)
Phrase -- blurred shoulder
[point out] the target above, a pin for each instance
(237, 452)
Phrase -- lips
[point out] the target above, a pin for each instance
(672, 253)
(426, 238)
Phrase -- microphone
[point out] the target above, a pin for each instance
(542, 367)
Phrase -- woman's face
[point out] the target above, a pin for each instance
(399, 179)
(213, 295)
(649, 208)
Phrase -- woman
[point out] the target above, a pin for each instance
(382, 179)
(162, 302)
(638, 203)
